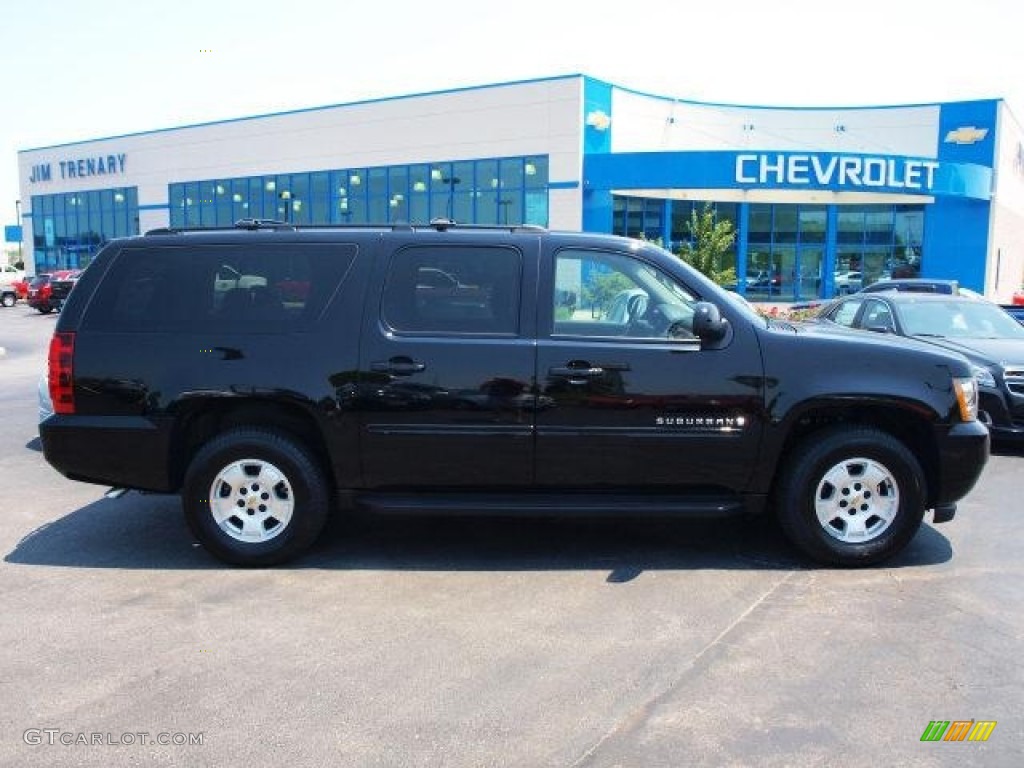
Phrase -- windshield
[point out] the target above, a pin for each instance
(958, 319)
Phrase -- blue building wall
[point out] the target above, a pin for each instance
(597, 141)
(959, 179)
(957, 228)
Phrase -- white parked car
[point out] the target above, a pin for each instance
(11, 274)
(848, 282)
(45, 404)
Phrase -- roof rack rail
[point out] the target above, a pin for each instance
(276, 225)
(442, 225)
(263, 224)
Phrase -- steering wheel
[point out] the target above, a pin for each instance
(636, 307)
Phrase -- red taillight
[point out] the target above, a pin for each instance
(61, 372)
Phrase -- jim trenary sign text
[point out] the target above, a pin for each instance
(101, 165)
(836, 171)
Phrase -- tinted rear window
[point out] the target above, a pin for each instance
(260, 288)
(453, 289)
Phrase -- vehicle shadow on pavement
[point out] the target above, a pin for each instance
(148, 532)
(1012, 449)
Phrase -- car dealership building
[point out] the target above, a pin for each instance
(814, 195)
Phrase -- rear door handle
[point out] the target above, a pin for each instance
(399, 366)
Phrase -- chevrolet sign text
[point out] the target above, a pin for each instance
(836, 171)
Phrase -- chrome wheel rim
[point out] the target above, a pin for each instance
(857, 500)
(251, 500)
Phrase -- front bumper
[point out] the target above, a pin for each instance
(963, 453)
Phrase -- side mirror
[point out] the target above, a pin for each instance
(878, 328)
(708, 323)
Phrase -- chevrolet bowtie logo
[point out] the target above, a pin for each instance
(967, 134)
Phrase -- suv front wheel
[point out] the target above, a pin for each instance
(255, 497)
(851, 496)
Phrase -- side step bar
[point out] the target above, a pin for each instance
(581, 504)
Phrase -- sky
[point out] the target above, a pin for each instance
(85, 69)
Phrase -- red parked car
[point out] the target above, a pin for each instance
(47, 291)
(21, 288)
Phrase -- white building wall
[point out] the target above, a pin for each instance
(1005, 267)
(533, 118)
(653, 124)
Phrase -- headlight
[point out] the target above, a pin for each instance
(967, 397)
(983, 376)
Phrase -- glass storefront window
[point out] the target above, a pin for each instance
(785, 224)
(70, 228)
(851, 226)
(812, 224)
(679, 230)
(878, 225)
(536, 211)
(760, 228)
(487, 191)
(535, 172)
(512, 173)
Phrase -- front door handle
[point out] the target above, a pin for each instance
(577, 372)
(399, 366)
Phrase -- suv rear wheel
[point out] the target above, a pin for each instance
(853, 496)
(255, 497)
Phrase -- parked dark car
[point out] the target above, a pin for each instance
(49, 290)
(434, 369)
(980, 330)
(1016, 311)
(39, 293)
(913, 285)
(61, 284)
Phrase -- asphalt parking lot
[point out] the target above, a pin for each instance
(489, 642)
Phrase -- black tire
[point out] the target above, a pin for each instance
(8, 299)
(831, 515)
(45, 309)
(276, 486)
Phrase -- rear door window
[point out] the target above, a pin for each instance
(453, 290)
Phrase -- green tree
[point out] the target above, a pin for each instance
(602, 289)
(711, 242)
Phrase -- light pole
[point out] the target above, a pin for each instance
(17, 222)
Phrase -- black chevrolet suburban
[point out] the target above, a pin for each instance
(271, 373)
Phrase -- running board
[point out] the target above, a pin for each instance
(534, 504)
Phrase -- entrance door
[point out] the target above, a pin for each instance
(808, 269)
